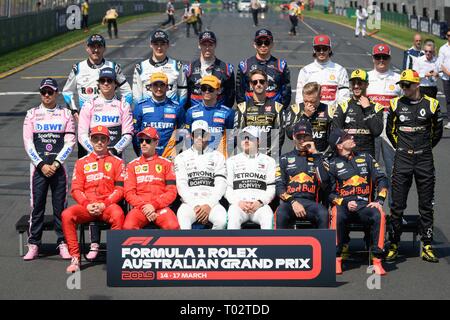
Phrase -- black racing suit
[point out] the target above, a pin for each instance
(268, 116)
(321, 122)
(352, 179)
(279, 79)
(365, 124)
(223, 71)
(414, 128)
(299, 178)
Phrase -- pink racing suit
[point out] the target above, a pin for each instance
(48, 136)
(114, 114)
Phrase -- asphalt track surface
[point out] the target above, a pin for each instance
(45, 278)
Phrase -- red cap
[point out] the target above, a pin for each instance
(149, 132)
(322, 40)
(381, 49)
(100, 130)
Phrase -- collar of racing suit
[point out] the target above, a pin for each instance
(204, 151)
(158, 63)
(144, 159)
(41, 106)
(265, 61)
(211, 65)
(383, 75)
(103, 99)
(323, 65)
(97, 157)
(159, 103)
(249, 156)
(95, 66)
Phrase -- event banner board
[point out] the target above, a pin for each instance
(150, 258)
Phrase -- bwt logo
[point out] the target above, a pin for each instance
(143, 241)
(113, 119)
(49, 127)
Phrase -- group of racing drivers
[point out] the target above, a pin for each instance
(339, 126)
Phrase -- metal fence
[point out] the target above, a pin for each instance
(10, 8)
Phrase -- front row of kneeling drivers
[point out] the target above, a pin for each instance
(249, 181)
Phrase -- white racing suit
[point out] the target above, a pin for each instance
(201, 179)
(382, 88)
(250, 179)
(83, 80)
(174, 71)
(332, 77)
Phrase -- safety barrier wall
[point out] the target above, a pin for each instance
(20, 31)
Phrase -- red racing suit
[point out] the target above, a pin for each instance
(150, 181)
(95, 179)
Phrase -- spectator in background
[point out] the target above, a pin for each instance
(170, 10)
(190, 18)
(428, 69)
(198, 13)
(111, 19)
(412, 53)
(444, 67)
(294, 13)
(85, 15)
(255, 5)
(361, 21)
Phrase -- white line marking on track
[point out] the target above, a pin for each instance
(115, 59)
(18, 93)
(311, 28)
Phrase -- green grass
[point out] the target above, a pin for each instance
(19, 57)
(397, 34)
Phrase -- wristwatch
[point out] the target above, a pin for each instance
(56, 164)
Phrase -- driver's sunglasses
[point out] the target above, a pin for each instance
(260, 81)
(44, 92)
(259, 43)
(106, 80)
(358, 83)
(321, 49)
(205, 88)
(147, 141)
(384, 57)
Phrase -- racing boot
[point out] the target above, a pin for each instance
(33, 252)
(378, 267)
(345, 252)
(64, 251)
(338, 265)
(74, 265)
(428, 254)
(392, 253)
(93, 252)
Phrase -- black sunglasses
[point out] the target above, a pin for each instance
(44, 92)
(259, 43)
(205, 88)
(448, 35)
(321, 49)
(261, 81)
(106, 80)
(147, 141)
(381, 56)
(405, 85)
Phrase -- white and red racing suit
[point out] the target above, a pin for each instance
(332, 77)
